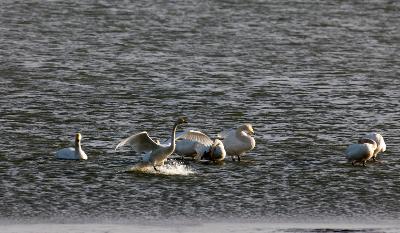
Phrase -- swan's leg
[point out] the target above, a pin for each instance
(155, 168)
(352, 163)
(238, 158)
(233, 158)
(364, 163)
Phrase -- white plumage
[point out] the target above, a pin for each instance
(238, 141)
(155, 153)
(198, 145)
(73, 153)
(361, 152)
(381, 146)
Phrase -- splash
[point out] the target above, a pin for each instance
(172, 168)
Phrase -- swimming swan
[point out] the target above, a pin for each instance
(361, 152)
(73, 153)
(381, 146)
(155, 153)
(238, 141)
(198, 145)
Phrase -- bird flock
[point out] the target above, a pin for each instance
(198, 146)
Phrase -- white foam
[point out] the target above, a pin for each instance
(172, 168)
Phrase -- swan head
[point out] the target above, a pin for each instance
(367, 140)
(181, 120)
(248, 128)
(217, 142)
(78, 137)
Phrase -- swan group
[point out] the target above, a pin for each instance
(366, 149)
(197, 145)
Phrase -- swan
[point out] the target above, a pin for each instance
(73, 153)
(216, 152)
(238, 141)
(155, 153)
(381, 146)
(361, 152)
(198, 145)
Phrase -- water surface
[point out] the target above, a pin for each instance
(311, 76)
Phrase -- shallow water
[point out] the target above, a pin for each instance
(310, 76)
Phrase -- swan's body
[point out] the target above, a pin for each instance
(73, 153)
(361, 152)
(198, 145)
(155, 153)
(381, 146)
(238, 141)
(216, 152)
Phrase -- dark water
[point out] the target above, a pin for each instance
(311, 76)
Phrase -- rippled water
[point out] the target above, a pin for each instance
(311, 76)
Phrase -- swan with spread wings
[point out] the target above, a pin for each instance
(155, 153)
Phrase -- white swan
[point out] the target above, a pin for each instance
(73, 153)
(198, 145)
(381, 146)
(238, 141)
(155, 153)
(361, 152)
(216, 152)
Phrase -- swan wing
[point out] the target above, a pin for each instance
(225, 133)
(196, 136)
(140, 142)
(201, 150)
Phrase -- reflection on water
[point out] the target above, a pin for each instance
(310, 76)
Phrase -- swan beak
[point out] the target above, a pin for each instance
(251, 131)
(183, 120)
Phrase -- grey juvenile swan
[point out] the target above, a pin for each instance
(155, 153)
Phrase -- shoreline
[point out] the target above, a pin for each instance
(201, 227)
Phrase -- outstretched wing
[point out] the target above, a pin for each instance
(196, 136)
(140, 142)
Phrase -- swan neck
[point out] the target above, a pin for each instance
(78, 149)
(173, 136)
(241, 134)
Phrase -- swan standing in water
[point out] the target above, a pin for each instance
(361, 152)
(198, 145)
(73, 153)
(381, 146)
(238, 141)
(155, 153)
